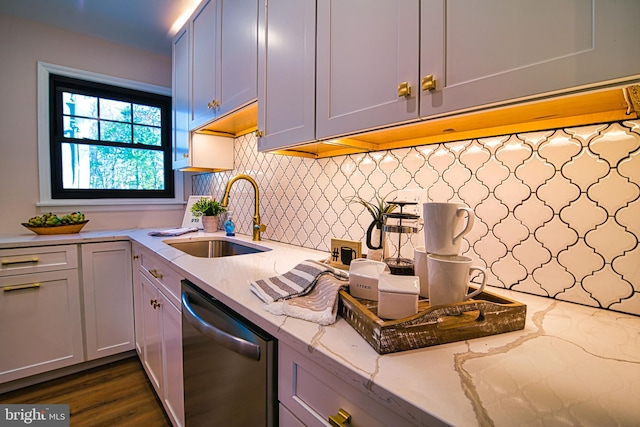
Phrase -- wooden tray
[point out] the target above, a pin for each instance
(57, 229)
(487, 314)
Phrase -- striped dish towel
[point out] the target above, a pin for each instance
(320, 305)
(296, 282)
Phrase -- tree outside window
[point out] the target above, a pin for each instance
(109, 142)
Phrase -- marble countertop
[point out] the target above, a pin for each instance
(570, 365)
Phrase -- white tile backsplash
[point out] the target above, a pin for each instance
(558, 211)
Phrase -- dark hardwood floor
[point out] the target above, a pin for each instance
(117, 394)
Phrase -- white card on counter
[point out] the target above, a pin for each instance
(190, 220)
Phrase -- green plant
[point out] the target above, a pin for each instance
(207, 207)
(377, 208)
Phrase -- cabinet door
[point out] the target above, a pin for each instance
(138, 309)
(41, 324)
(238, 54)
(204, 40)
(287, 74)
(173, 395)
(365, 51)
(108, 298)
(286, 418)
(180, 107)
(312, 394)
(483, 52)
(152, 341)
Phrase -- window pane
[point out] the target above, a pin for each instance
(115, 132)
(115, 110)
(147, 135)
(111, 168)
(80, 128)
(79, 105)
(108, 142)
(146, 115)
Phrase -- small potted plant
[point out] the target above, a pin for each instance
(210, 210)
(377, 210)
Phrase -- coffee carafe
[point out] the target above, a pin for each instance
(397, 230)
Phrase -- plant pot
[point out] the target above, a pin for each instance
(375, 241)
(210, 223)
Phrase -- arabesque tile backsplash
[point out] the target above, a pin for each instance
(558, 211)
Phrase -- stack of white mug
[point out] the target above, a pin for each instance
(445, 274)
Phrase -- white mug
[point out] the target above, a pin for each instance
(441, 221)
(421, 269)
(449, 279)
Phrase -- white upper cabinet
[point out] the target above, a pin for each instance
(483, 52)
(383, 63)
(237, 69)
(224, 58)
(204, 56)
(180, 97)
(287, 74)
(367, 53)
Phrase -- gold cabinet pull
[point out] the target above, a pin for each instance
(428, 82)
(155, 273)
(213, 104)
(404, 89)
(154, 303)
(21, 287)
(259, 134)
(341, 419)
(21, 261)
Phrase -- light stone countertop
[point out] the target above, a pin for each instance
(571, 365)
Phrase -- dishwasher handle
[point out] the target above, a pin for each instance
(233, 343)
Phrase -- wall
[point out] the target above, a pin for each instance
(558, 212)
(22, 44)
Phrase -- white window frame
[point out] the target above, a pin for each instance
(44, 157)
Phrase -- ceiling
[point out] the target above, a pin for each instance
(143, 24)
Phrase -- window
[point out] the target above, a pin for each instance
(108, 142)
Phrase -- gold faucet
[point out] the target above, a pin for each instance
(257, 226)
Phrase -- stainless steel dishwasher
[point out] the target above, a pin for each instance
(229, 365)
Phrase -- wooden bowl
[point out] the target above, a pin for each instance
(57, 229)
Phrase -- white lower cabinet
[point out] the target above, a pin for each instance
(158, 329)
(40, 323)
(54, 315)
(108, 298)
(286, 418)
(309, 395)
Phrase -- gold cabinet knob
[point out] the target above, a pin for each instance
(259, 134)
(341, 419)
(213, 104)
(428, 82)
(404, 89)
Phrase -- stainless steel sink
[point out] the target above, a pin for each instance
(215, 248)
